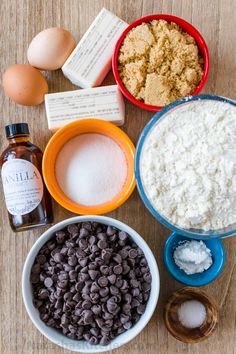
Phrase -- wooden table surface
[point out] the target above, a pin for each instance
(20, 21)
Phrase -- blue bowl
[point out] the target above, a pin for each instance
(191, 233)
(198, 279)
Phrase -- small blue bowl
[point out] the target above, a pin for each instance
(218, 254)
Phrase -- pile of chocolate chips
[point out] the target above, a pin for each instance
(91, 281)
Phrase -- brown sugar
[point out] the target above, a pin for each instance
(159, 63)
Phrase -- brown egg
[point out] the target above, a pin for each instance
(24, 84)
(50, 48)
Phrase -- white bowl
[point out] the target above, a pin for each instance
(80, 345)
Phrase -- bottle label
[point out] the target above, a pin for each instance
(22, 185)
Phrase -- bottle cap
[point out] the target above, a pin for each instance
(16, 129)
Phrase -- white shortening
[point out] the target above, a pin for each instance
(105, 102)
(188, 165)
(90, 61)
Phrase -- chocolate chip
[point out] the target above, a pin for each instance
(119, 282)
(62, 284)
(123, 235)
(34, 278)
(71, 252)
(60, 236)
(94, 331)
(134, 283)
(48, 282)
(114, 290)
(112, 278)
(124, 285)
(41, 259)
(79, 286)
(107, 315)
(126, 308)
(67, 267)
(133, 253)
(117, 269)
(86, 304)
(83, 243)
(88, 316)
(92, 240)
(104, 269)
(146, 287)
(110, 230)
(117, 258)
(64, 251)
(94, 248)
(76, 297)
(102, 244)
(93, 340)
(94, 287)
(104, 291)
(72, 261)
(73, 274)
(83, 233)
(51, 245)
(135, 292)
(102, 236)
(92, 265)
(128, 325)
(135, 303)
(106, 255)
(87, 225)
(143, 262)
(36, 268)
(93, 274)
(78, 312)
(111, 305)
(58, 304)
(94, 297)
(104, 340)
(83, 261)
(67, 296)
(147, 277)
(128, 298)
(124, 318)
(141, 308)
(96, 309)
(73, 229)
(102, 281)
(43, 294)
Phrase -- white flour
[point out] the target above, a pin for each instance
(188, 165)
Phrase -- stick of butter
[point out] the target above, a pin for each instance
(104, 102)
(90, 61)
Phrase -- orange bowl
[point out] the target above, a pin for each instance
(71, 130)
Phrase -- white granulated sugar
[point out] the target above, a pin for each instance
(188, 165)
(91, 169)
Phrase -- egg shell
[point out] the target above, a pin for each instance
(50, 48)
(24, 84)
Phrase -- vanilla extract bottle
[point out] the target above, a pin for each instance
(27, 199)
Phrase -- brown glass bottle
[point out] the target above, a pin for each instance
(27, 199)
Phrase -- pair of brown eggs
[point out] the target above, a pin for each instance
(49, 49)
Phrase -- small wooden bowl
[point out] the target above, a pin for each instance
(174, 326)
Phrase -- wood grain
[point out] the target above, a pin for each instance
(20, 21)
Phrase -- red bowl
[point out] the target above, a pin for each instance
(187, 27)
